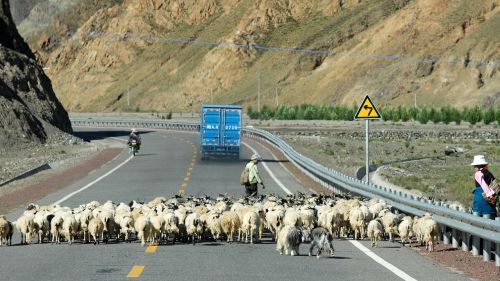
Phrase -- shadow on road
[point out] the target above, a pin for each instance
(212, 244)
(99, 135)
(229, 160)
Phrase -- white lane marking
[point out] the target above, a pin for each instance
(269, 171)
(286, 169)
(94, 182)
(97, 180)
(401, 274)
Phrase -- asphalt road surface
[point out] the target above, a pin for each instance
(169, 163)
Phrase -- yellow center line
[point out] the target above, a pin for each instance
(183, 185)
(190, 168)
(151, 248)
(192, 164)
(188, 174)
(186, 178)
(181, 191)
(136, 271)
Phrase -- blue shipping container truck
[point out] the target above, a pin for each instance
(220, 130)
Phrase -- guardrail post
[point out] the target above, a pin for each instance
(486, 244)
(465, 242)
(497, 248)
(446, 236)
(454, 238)
(476, 241)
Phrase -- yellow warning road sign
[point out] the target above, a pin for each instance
(367, 110)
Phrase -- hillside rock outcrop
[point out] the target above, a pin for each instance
(29, 109)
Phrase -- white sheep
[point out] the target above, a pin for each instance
(122, 208)
(25, 225)
(92, 205)
(221, 206)
(84, 218)
(42, 225)
(430, 231)
(96, 229)
(70, 227)
(230, 223)
(274, 218)
(213, 223)
(56, 225)
(194, 227)
(107, 218)
(157, 227)
(200, 210)
(143, 227)
(292, 217)
(250, 225)
(289, 239)
(127, 227)
(405, 229)
(376, 208)
(375, 231)
(171, 226)
(4, 230)
(156, 201)
(390, 222)
(308, 217)
(357, 222)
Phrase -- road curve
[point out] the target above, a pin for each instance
(169, 163)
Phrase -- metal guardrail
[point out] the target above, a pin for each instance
(454, 220)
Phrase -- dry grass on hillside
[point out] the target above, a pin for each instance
(392, 49)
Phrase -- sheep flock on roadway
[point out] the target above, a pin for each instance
(289, 220)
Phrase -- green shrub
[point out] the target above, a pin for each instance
(423, 116)
(489, 116)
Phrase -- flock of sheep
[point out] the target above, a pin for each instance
(290, 220)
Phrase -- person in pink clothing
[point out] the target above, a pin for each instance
(483, 177)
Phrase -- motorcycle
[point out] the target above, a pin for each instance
(133, 147)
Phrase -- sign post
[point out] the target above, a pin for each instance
(367, 111)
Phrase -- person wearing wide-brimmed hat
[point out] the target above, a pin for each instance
(253, 176)
(483, 196)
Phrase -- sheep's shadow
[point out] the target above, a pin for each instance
(388, 247)
(324, 257)
(446, 250)
(211, 244)
(107, 270)
(145, 154)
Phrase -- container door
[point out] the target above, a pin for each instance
(232, 127)
(211, 126)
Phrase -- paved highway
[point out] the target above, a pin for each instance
(170, 163)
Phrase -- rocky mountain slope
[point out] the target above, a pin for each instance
(30, 111)
(20, 9)
(176, 54)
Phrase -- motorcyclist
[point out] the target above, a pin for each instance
(134, 136)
